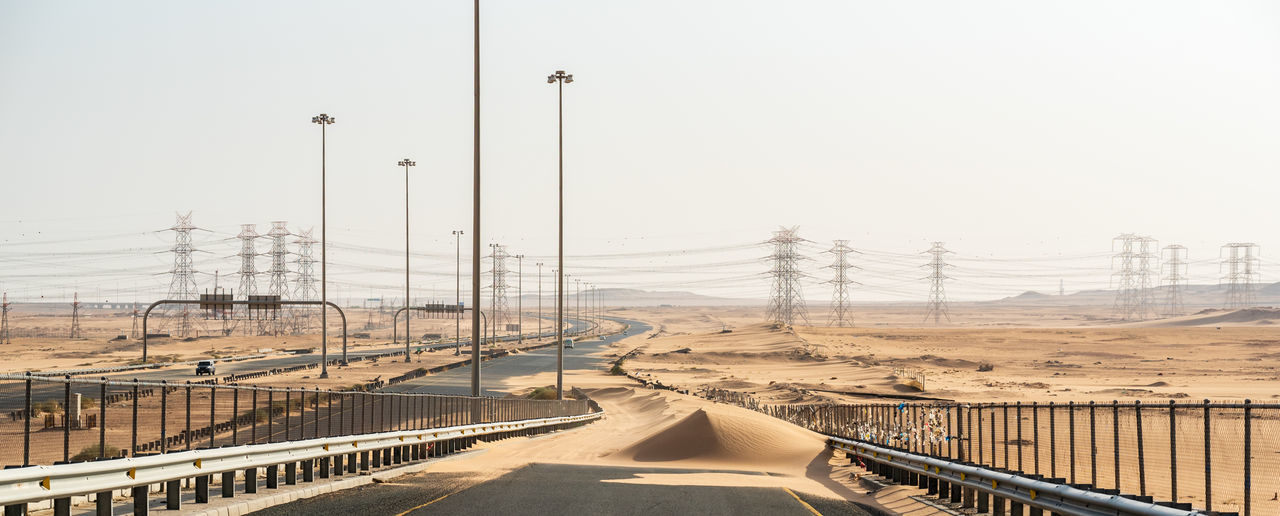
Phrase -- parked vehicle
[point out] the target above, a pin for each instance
(568, 343)
(205, 367)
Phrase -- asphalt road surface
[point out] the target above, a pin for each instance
(493, 372)
(562, 489)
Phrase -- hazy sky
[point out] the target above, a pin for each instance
(1006, 129)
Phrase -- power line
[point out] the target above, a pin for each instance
(183, 284)
(1173, 266)
(1243, 264)
(1135, 295)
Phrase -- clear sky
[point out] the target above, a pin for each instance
(1007, 129)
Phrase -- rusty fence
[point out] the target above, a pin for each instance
(46, 421)
(1216, 456)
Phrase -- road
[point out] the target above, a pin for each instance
(562, 489)
(494, 372)
(12, 396)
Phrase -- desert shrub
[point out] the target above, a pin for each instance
(617, 369)
(986, 366)
(91, 452)
(542, 393)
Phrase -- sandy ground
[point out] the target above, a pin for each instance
(1149, 361)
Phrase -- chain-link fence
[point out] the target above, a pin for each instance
(1215, 456)
(56, 420)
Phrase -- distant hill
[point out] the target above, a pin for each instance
(1194, 297)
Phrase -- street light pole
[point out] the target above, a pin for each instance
(520, 298)
(475, 218)
(559, 79)
(457, 296)
(407, 313)
(324, 120)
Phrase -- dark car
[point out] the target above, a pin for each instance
(205, 367)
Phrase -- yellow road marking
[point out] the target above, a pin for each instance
(438, 499)
(802, 502)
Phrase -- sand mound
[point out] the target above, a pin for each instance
(1215, 317)
(723, 436)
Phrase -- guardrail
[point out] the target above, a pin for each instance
(1217, 457)
(988, 490)
(186, 415)
(336, 455)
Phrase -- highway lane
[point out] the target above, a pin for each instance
(563, 489)
(12, 396)
(493, 372)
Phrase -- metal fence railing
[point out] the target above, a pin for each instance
(46, 420)
(1216, 456)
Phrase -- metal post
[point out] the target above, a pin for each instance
(1248, 459)
(287, 392)
(186, 437)
(253, 426)
(457, 296)
(1142, 462)
(1035, 436)
(102, 419)
(213, 408)
(1173, 453)
(1017, 414)
(1004, 408)
(406, 163)
(520, 299)
(133, 443)
(1115, 438)
(475, 221)
(26, 426)
(1053, 444)
(66, 421)
(271, 415)
(1071, 436)
(1093, 444)
(1208, 461)
(324, 120)
(235, 416)
(164, 412)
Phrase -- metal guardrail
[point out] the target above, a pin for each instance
(965, 482)
(61, 482)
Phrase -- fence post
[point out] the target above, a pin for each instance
(235, 415)
(1035, 436)
(1208, 461)
(66, 421)
(26, 426)
(1115, 438)
(1173, 453)
(187, 436)
(287, 392)
(164, 412)
(1093, 444)
(1142, 461)
(102, 419)
(271, 414)
(133, 443)
(1004, 409)
(980, 457)
(1017, 414)
(1248, 459)
(253, 426)
(213, 410)
(1071, 438)
(1053, 444)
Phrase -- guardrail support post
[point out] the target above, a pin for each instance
(308, 471)
(984, 502)
(1035, 511)
(16, 509)
(1015, 508)
(324, 467)
(291, 473)
(944, 489)
(273, 476)
(140, 499)
(62, 506)
(102, 503)
(202, 489)
(351, 463)
(931, 484)
(228, 484)
(386, 456)
(377, 458)
(956, 493)
(173, 495)
(364, 461)
(250, 480)
(967, 499)
(997, 506)
(338, 467)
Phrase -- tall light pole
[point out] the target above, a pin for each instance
(457, 296)
(324, 121)
(560, 79)
(519, 298)
(539, 300)
(407, 313)
(475, 219)
(577, 299)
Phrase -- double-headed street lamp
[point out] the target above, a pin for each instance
(407, 313)
(324, 120)
(560, 79)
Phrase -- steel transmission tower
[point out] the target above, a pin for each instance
(304, 287)
(75, 317)
(1242, 262)
(1137, 262)
(1173, 272)
(183, 284)
(279, 285)
(841, 315)
(4, 321)
(786, 301)
(501, 315)
(937, 266)
(248, 269)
